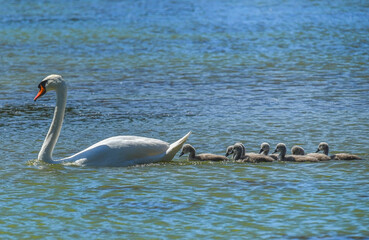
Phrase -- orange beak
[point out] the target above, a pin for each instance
(40, 93)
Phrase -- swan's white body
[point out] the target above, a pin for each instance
(119, 151)
(122, 151)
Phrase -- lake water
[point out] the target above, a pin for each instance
(251, 71)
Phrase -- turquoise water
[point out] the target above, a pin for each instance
(250, 71)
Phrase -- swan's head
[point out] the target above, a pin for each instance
(297, 150)
(237, 148)
(51, 82)
(281, 147)
(264, 147)
(187, 148)
(229, 151)
(323, 146)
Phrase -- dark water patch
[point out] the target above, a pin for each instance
(327, 237)
(42, 20)
(161, 207)
(265, 185)
(80, 113)
(110, 188)
(29, 110)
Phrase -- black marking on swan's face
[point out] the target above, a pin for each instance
(42, 89)
(42, 84)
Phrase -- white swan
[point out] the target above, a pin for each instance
(116, 151)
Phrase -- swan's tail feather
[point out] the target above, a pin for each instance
(174, 148)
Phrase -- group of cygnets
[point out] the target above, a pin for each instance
(237, 152)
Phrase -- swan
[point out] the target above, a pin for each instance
(264, 149)
(229, 150)
(116, 151)
(187, 148)
(323, 146)
(297, 150)
(282, 149)
(242, 150)
(253, 157)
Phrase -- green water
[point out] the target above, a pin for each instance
(230, 71)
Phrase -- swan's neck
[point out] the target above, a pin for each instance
(326, 150)
(192, 154)
(52, 136)
(282, 154)
(237, 154)
(243, 152)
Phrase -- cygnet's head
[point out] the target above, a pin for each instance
(237, 148)
(187, 148)
(264, 147)
(323, 146)
(51, 82)
(229, 151)
(281, 147)
(297, 150)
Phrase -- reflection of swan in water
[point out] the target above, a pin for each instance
(323, 146)
(281, 148)
(114, 151)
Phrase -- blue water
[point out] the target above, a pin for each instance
(249, 71)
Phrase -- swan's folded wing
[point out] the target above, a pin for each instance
(174, 148)
(122, 151)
